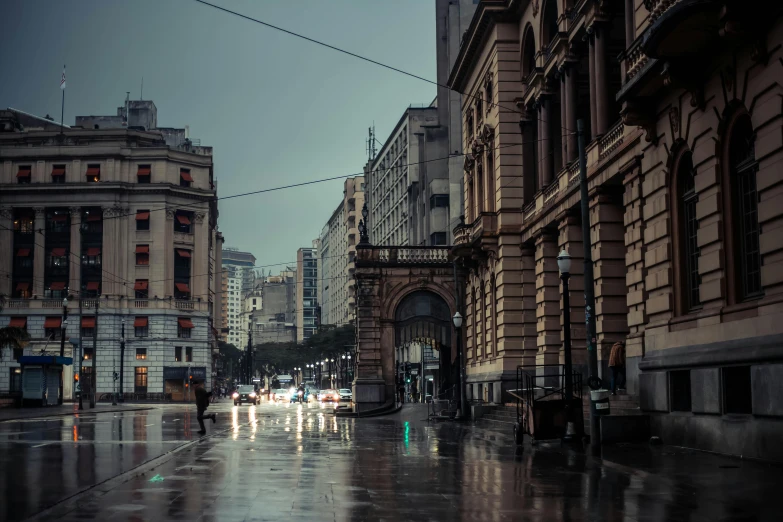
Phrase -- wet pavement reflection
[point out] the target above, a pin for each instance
(300, 462)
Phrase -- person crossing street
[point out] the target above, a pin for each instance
(202, 403)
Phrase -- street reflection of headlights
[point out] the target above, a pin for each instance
(236, 395)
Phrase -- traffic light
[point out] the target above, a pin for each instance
(76, 377)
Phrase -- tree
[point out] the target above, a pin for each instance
(13, 337)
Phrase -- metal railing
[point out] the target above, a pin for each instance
(537, 384)
(611, 140)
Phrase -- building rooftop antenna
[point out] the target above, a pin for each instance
(371, 142)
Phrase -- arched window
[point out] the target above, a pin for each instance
(742, 169)
(528, 53)
(685, 199)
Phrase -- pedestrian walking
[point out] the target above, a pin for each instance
(617, 366)
(202, 403)
(401, 393)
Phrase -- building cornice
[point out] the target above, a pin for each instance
(131, 189)
(487, 15)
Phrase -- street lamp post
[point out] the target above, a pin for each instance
(462, 401)
(564, 264)
(122, 361)
(63, 326)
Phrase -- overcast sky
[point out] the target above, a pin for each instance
(277, 110)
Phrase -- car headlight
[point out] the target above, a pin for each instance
(252, 395)
(235, 395)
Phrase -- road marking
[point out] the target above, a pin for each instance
(149, 424)
(40, 445)
(175, 420)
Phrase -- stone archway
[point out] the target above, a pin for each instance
(403, 293)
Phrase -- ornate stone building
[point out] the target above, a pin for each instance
(681, 103)
(122, 220)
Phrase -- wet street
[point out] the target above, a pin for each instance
(294, 462)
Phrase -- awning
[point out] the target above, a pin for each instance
(142, 249)
(24, 172)
(57, 285)
(58, 171)
(183, 253)
(183, 219)
(53, 322)
(144, 170)
(23, 252)
(93, 171)
(142, 216)
(182, 287)
(185, 175)
(140, 322)
(18, 322)
(93, 285)
(94, 251)
(93, 217)
(141, 285)
(88, 321)
(185, 322)
(59, 217)
(22, 286)
(58, 252)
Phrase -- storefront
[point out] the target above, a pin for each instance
(178, 381)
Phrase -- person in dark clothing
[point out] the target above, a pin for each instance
(202, 403)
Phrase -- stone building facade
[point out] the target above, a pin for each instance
(124, 225)
(337, 257)
(681, 105)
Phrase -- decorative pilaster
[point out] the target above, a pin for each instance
(601, 80)
(611, 311)
(198, 274)
(570, 239)
(570, 74)
(369, 387)
(547, 299)
(39, 259)
(75, 260)
(635, 273)
(591, 67)
(529, 321)
(165, 288)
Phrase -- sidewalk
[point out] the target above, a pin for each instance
(9, 414)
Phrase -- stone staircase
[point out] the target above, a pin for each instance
(498, 418)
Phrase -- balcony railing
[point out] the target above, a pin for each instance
(529, 209)
(657, 7)
(368, 256)
(462, 235)
(573, 173)
(182, 304)
(611, 140)
(108, 303)
(550, 193)
(633, 61)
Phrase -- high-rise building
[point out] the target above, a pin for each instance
(239, 275)
(306, 291)
(271, 308)
(118, 216)
(339, 237)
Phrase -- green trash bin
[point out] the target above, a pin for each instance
(599, 402)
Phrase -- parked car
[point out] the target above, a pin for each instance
(346, 394)
(245, 393)
(329, 396)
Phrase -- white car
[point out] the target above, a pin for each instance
(345, 394)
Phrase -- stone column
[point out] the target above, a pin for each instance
(7, 253)
(39, 260)
(601, 81)
(108, 251)
(369, 387)
(570, 111)
(591, 65)
(564, 128)
(545, 162)
(166, 288)
(75, 257)
(570, 239)
(547, 303)
(635, 274)
(630, 31)
(198, 274)
(611, 310)
(529, 312)
(540, 146)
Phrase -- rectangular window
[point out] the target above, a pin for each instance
(140, 379)
(185, 179)
(24, 175)
(88, 326)
(144, 174)
(93, 173)
(439, 200)
(142, 220)
(142, 254)
(182, 222)
(188, 354)
(87, 354)
(141, 354)
(184, 327)
(141, 326)
(177, 354)
(438, 238)
(680, 390)
(91, 256)
(737, 395)
(16, 380)
(141, 287)
(58, 173)
(53, 327)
